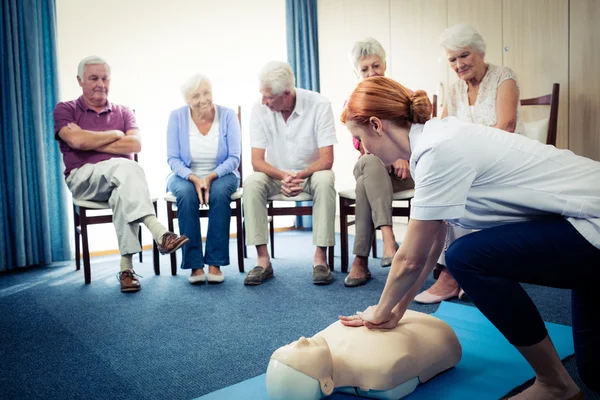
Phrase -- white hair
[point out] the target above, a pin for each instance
(460, 37)
(366, 48)
(90, 60)
(277, 76)
(192, 83)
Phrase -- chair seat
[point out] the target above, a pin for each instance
(170, 197)
(301, 197)
(403, 195)
(98, 205)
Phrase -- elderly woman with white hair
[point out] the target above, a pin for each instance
(203, 151)
(375, 183)
(485, 94)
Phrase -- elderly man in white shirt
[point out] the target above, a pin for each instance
(292, 134)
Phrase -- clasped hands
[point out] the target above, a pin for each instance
(291, 184)
(203, 189)
(400, 168)
(371, 318)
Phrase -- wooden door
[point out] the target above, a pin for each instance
(536, 40)
(418, 61)
(584, 79)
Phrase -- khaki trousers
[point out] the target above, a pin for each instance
(373, 209)
(122, 183)
(258, 187)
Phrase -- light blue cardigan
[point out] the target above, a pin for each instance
(179, 156)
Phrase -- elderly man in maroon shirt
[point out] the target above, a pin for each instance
(97, 139)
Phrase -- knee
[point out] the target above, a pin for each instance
(186, 195)
(323, 180)
(372, 165)
(255, 184)
(220, 194)
(458, 255)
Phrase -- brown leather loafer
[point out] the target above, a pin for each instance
(129, 281)
(321, 275)
(258, 275)
(171, 242)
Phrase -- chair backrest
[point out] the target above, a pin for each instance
(551, 100)
(434, 104)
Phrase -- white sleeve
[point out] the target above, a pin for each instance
(442, 183)
(325, 126)
(258, 137)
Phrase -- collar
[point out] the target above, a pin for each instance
(300, 103)
(82, 104)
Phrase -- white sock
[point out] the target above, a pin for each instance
(156, 228)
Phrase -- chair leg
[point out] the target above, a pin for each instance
(170, 217)
(344, 235)
(330, 255)
(239, 234)
(77, 238)
(272, 232)
(155, 255)
(86, 250)
(140, 239)
(375, 244)
(244, 237)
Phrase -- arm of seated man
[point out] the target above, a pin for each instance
(260, 165)
(82, 139)
(130, 143)
(292, 184)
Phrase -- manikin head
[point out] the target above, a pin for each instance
(302, 370)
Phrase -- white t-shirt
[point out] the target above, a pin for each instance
(294, 145)
(204, 148)
(478, 177)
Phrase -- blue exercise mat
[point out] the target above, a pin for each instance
(490, 367)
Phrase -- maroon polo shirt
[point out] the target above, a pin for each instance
(112, 117)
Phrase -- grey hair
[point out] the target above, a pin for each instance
(192, 83)
(461, 36)
(277, 76)
(366, 48)
(90, 60)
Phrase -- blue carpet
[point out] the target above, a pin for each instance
(61, 339)
(490, 367)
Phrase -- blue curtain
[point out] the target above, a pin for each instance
(33, 205)
(303, 54)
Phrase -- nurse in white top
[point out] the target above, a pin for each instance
(537, 209)
(484, 94)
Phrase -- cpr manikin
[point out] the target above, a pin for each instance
(379, 364)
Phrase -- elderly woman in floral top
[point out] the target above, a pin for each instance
(485, 94)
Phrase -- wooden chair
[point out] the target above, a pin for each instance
(347, 208)
(236, 212)
(273, 211)
(536, 129)
(82, 219)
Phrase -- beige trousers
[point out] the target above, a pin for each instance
(258, 187)
(122, 183)
(374, 190)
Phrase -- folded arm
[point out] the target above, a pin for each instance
(82, 139)
(130, 143)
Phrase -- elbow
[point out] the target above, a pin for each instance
(78, 144)
(508, 126)
(328, 164)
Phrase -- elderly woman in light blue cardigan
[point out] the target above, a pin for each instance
(203, 151)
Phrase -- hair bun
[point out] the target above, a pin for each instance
(420, 107)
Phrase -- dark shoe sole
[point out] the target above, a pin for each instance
(130, 290)
(386, 262)
(180, 245)
(256, 283)
(326, 281)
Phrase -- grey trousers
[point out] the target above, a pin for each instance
(258, 187)
(373, 209)
(122, 183)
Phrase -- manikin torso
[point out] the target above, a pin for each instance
(381, 364)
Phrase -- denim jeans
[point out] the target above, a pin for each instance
(219, 219)
(490, 264)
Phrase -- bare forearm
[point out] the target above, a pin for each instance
(92, 140)
(508, 126)
(405, 281)
(268, 169)
(125, 145)
(319, 165)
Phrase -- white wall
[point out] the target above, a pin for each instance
(152, 46)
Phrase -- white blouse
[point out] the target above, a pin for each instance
(204, 148)
(484, 110)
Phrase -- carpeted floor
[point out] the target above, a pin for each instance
(61, 339)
